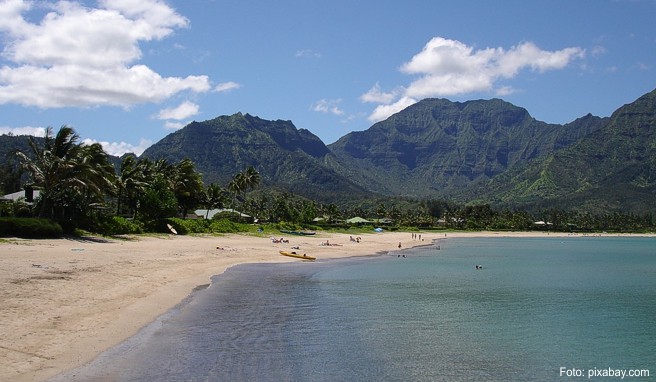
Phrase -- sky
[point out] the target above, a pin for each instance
(126, 73)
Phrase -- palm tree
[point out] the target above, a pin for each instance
(213, 197)
(129, 183)
(244, 180)
(237, 185)
(187, 185)
(94, 168)
(45, 163)
(251, 177)
(70, 175)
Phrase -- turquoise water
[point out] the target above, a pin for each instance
(582, 304)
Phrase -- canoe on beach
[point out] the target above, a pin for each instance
(298, 256)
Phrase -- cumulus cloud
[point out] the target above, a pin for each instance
(120, 148)
(381, 112)
(81, 56)
(447, 67)
(376, 95)
(328, 106)
(183, 111)
(225, 87)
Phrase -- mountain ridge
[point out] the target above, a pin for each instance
(222, 146)
(477, 151)
(618, 160)
(441, 145)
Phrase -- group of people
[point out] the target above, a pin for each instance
(281, 240)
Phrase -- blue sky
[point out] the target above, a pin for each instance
(128, 72)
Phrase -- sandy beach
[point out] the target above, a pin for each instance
(65, 301)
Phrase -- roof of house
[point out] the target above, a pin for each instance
(18, 195)
(211, 213)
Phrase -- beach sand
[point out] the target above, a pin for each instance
(63, 302)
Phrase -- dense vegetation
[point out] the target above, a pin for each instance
(29, 228)
(80, 188)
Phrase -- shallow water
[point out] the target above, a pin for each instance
(537, 305)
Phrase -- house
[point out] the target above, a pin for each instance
(358, 221)
(210, 213)
(28, 194)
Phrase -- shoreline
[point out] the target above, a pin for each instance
(65, 301)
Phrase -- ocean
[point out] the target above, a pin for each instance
(540, 309)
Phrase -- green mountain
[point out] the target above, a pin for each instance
(10, 176)
(287, 158)
(439, 148)
(612, 168)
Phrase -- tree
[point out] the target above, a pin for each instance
(213, 197)
(331, 212)
(242, 181)
(129, 183)
(10, 175)
(71, 176)
(251, 178)
(237, 185)
(187, 185)
(157, 201)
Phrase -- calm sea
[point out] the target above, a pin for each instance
(541, 309)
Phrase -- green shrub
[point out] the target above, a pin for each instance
(117, 225)
(227, 226)
(191, 226)
(187, 226)
(30, 228)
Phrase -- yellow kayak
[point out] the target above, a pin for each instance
(298, 256)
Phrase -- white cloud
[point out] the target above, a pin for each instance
(226, 87)
(25, 130)
(81, 56)
(382, 112)
(447, 67)
(375, 95)
(183, 111)
(328, 106)
(120, 148)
